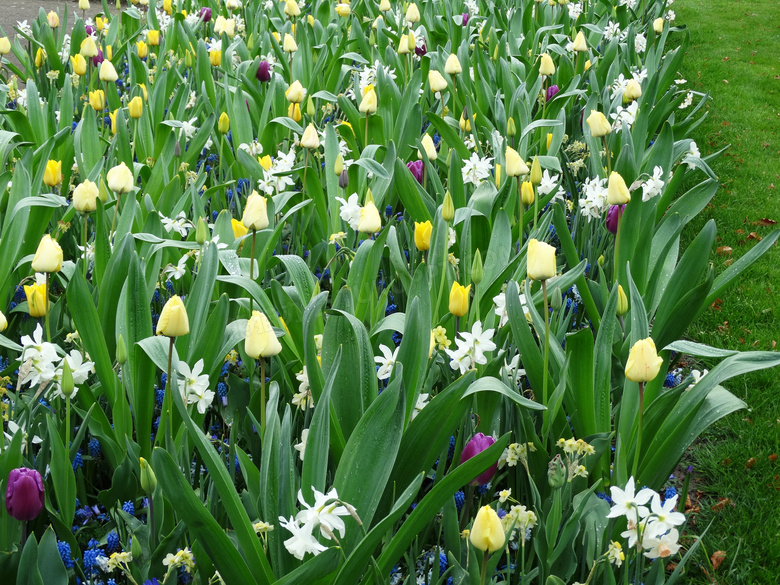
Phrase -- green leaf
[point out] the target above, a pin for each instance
(62, 475)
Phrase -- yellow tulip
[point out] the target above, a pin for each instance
(239, 231)
(112, 117)
(448, 208)
(459, 299)
(643, 363)
(136, 107)
(255, 212)
(265, 161)
(384, 5)
(310, 139)
(429, 147)
(120, 179)
(546, 66)
(487, 533)
(224, 123)
(153, 36)
(85, 197)
(452, 66)
(173, 321)
(79, 64)
(622, 305)
(658, 25)
(215, 58)
(100, 24)
(515, 166)
(295, 93)
(580, 45)
(540, 260)
(143, 89)
(291, 8)
(40, 55)
(168, 6)
(3, 322)
(527, 193)
(52, 176)
(536, 172)
(88, 47)
(617, 191)
(422, 235)
(368, 104)
(5, 46)
(36, 299)
(107, 71)
(143, 49)
(370, 221)
(294, 112)
(53, 19)
(48, 256)
(632, 92)
(413, 13)
(343, 10)
(403, 45)
(289, 45)
(436, 81)
(598, 124)
(261, 340)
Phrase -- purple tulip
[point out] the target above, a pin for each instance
(98, 59)
(465, 17)
(90, 30)
(474, 447)
(264, 71)
(613, 217)
(416, 167)
(421, 50)
(24, 497)
(551, 91)
(205, 14)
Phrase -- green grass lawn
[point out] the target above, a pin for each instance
(734, 54)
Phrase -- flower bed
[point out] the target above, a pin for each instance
(352, 293)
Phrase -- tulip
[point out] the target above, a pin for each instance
(311, 139)
(289, 45)
(632, 92)
(215, 58)
(546, 65)
(261, 340)
(3, 322)
(232, 4)
(370, 221)
(429, 147)
(239, 231)
(368, 104)
(36, 299)
(135, 107)
(487, 532)
(643, 363)
(598, 124)
(587, 65)
(205, 14)
(617, 191)
(98, 58)
(173, 321)
(515, 166)
(613, 217)
(416, 168)
(474, 447)
(100, 24)
(338, 166)
(422, 235)
(107, 72)
(294, 112)
(459, 302)
(148, 478)
(264, 71)
(622, 305)
(552, 91)
(224, 123)
(5, 46)
(403, 45)
(143, 89)
(168, 6)
(53, 19)
(536, 172)
(464, 19)
(527, 193)
(143, 49)
(24, 497)
(448, 208)
(411, 43)
(40, 55)
(48, 256)
(421, 50)
(120, 179)
(452, 66)
(85, 197)
(79, 64)
(343, 10)
(97, 99)
(658, 25)
(540, 260)
(153, 36)
(579, 45)
(52, 176)
(498, 176)
(413, 13)
(295, 93)
(384, 5)
(83, 4)
(291, 8)
(464, 122)
(436, 81)
(112, 117)
(477, 270)
(255, 212)
(511, 127)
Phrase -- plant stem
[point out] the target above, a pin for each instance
(116, 209)
(616, 270)
(85, 238)
(252, 270)
(262, 397)
(484, 568)
(546, 341)
(306, 168)
(46, 308)
(441, 283)
(639, 435)
(365, 142)
(536, 204)
(169, 389)
(606, 154)
(67, 421)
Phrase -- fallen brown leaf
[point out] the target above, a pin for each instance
(717, 558)
(722, 503)
(724, 250)
(751, 462)
(773, 457)
(765, 221)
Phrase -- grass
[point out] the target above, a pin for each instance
(734, 54)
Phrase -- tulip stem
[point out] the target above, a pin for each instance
(441, 283)
(616, 270)
(116, 209)
(520, 202)
(608, 157)
(365, 142)
(306, 167)
(46, 308)
(484, 568)
(85, 238)
(169, 389)
(262, 397)
(639, 435)
(546, 341)
(67, 420)
(252, 270)
(536, 205)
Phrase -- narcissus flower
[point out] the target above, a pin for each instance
(459, 299)
(617, 191)
(422, 235)
(48, 256)
(36, 299)
(255, 212)
(173, 321)
(487, 532)
(52, 176)
(85, 196)
(24, 497)
(540, 261)
(261, 340)
(643, 362)
(120, 179)
(598, 124)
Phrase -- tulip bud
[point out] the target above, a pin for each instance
(52, 175)
(614, 214)
(112, 117)
(264, 71)
(413, 13)
(459, 300)
(556, 302)
(536, 172)
(48, 256)
(107, 72)
(452, 66)
(546, 65)
(201, 232)
(261, 339)
(40, 55)
(136, 107)
(294, 112)
(476, 268)
(121, 350)
(36, 299)
(403, 45)
(643, 362)
(173, 321)
(97, 99)
(66, 382)
(540, 261)
(79, 64)
(177, 149)
(224, 123)
(658, 25)
(527, 193)
(53, 19)
(310, 138)
(142, 48)
(632, 92)
(556, 473)
(487, 532)
(295, 93)
(3, 322)
(289, 45)
(120, 179)
(5, 46)
(430, 148)
(24, 497)
(598, 124)
(343, 179)
(515, 166)
(498, 176)
(474, 447)
(215, 58)
(587, 65)
(580, 45)
(622, 304)
(411, 43)
(617, 191)
(511, 129)
(85, 196)
(368, 104)
(384, 5)
(416, 168)
(255, 212)
(448, 208)
(464, 122)
(310, 109)
(343, 10)
(370, 220)
(148, 478)
(291, 8)
(239, 231)
(422, 235)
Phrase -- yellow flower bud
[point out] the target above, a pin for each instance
(643, 363)
(580, 45)
(143, 49)
(173, 321)
(436, 81)
(40, 55)
(540, 260)
(422, 235)
(289, 45)
(617, 191)
(343, 10)
(5, 46)
(511, 128)
(239, 231)
(52, 176)
(3, 322)
(452, 66)
(598, 124)
(168, 6)
(370, 220)
(223, 126)
(459, 299)
(498, 176)
(255, 212)
(587, 65)
(291, 8)
(477, 271)
(413, 13)
(448, 208)
(120, 179)
(487, 533)
(658, 25)
(53, 19)
(261, 339)
(429, 147)
(368, 104)
(549, 140)
(107, 71)
(632, 92)
(294, 112)
(536, 171)
(311, 139)
(97, 99)
(100, 24)
(403, 45)
(48, 256)
(215, 58)
(295, 93)
(112, 117)
(148, 478)
(136, 107)
(546, 65)
(384, 5)
(515, 166)
(265, 161)
(153, 36)
(36, 299)
(79, 64)
(85, 197)
(622, 305)
(527, 193)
